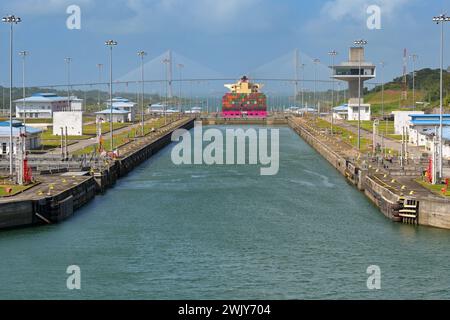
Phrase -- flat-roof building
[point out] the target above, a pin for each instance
(124, 104)
(425, 125)
(117, 115)
(40, 106)
(32, 138)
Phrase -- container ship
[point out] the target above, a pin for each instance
(244, 100)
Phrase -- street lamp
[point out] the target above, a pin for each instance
(382, 64)
(100, 67)
(24, 55)
(414, 57)
(441, 20)
(180, 68)
(360, 43)
(166, 62)
(111, 44)
(68, 60)
(333, 54)
(142, 54)
(12, 20)
(316, 61)
(302, 66)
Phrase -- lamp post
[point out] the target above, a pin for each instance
(12, 20)
(316, 61)
(382, 64)
(111, 44)
(68, 60)
(441, 20)
(333, 54)
(24, 55)
(100, 67)
(414, 59)
(166, 62)
(142, 54)
(302, 66)
(180, 69)
(360, 43)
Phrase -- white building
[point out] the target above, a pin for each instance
(40, 106)
(429, 142)
(117, 115)
(340, 112)
(355, 71)
(125, 105)
(402, 119)
(33, 140)
(157, 108)
(364, 108)
(76, 104)
(72, 120)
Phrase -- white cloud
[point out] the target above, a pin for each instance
(356, 9)
(207, 15)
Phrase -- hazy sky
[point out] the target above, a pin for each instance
(228, 36)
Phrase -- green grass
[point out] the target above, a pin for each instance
(15, 189)
(383, 127)
(436, 188)
(345, 134)
(48, 144)
(91, 129)
(393, 96)
(48, 135)
(32, 120)
(395, 136)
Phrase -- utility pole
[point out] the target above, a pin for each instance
(111, 44)
(142, 54)
(316, 61)
(296, 76)
(180, 69)
(361, 44)
(441, 20)
(100, 67)
(12, 20)
(382, 64)
(302, 87)
(24, 55)
(68, 60)
(333, 54)
(414, 58)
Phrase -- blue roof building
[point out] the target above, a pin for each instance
(429, 119)
(118, 115)
(41, 105)
(33, 140)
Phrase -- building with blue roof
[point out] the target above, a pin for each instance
(424, 126)
(124, 104)
(40, 106)
(341, 112)
(118, 115)
(32, 136)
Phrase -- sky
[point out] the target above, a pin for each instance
(226, 37)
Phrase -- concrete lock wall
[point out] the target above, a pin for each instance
(434, 213)
(73, 120)
(15, 214)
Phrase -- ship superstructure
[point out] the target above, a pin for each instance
(244, 100)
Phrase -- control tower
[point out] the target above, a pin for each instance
(353, 71)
